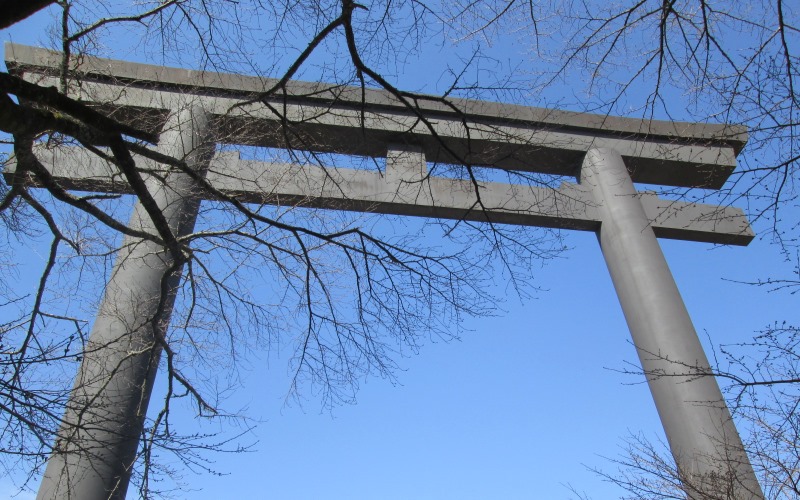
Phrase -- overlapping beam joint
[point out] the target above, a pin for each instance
(606, 154)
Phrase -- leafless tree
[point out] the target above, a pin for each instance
(689, 60)
(347, 295)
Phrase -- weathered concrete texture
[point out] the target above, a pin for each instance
(103, 420)
(337, 119)
(698, 425)
(406, 188)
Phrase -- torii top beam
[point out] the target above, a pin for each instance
(352, 120)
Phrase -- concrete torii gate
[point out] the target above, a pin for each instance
(606, 154)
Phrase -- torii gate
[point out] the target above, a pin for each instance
(606, 154)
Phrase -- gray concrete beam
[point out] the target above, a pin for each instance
(406, 188)
(337, 119)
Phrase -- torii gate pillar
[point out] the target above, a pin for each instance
(97, 444)
(702, 437)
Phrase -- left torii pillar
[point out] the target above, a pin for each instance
(98, 440)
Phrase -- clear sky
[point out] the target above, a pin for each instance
(517, 409)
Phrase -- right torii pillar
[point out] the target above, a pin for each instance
(702, 437)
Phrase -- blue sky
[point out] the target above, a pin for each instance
(517, 409)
